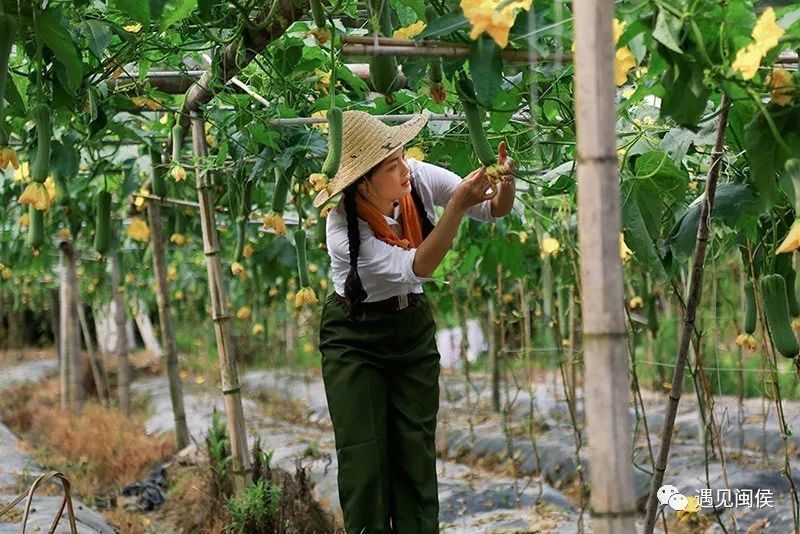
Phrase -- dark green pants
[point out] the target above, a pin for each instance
(381, 374)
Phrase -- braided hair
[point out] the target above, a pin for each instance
(354, 292)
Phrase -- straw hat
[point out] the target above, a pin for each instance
(366, 141)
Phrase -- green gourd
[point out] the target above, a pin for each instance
(749, 308)
(102, 222)
(334, 157)
(773, 290)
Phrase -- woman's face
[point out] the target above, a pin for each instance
(391, 179)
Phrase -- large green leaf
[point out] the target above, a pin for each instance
(666, 31)
(638, 236)
(444, 26)
(734, 206)
(486, 67)
(138, 10)
(764, 155)
(98, 35)
(685, 96)
(656, 169)
(51, 29)
(176, 11)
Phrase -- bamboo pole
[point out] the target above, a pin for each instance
(165, 317)
(231, 390)
(64, 329)
(612, 499)
(123, 369)
(695, 285)
(449, 50)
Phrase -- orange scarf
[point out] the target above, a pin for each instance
(409, 220)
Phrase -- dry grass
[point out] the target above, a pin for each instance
(191, 505)
(100, 450)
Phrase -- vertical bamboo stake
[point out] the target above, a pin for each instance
(64, 329)
(695, 284)
(612, 500)
(231, 390)
(123, 369)
(165, 317)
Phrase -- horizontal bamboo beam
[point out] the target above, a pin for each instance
(391, 46)
(456, 117)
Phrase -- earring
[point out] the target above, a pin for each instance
(395, 203)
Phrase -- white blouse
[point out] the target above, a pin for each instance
(387, 270)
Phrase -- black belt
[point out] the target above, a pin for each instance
(391, 304)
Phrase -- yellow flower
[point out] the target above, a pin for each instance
(484, 16)
(322, 35)
(24, 220)
(624, 252)
(792, 239)
(238, 270)
(36, 195)
(8, 156)
(319, 181)
(273, 291)
(411, 31)
(782, 87)
(6, 273)
(138, 230)
(243, 313)
(320, 125)
(211, 141)
(63, 234)
(523, 236)
(199, 380)
(141, 201)
(312, 267)
(179, 295)
(50, 185)
(549, 245)
(172, 273)
(305, 296)
(796, 324)
(766, 31)
(23, 173)
(247, 250)
(746, 341)
(184, 374)
(178, 239)
(133, 28)
(129, 278)
(693, 185)
(274, 221)
(149, 103)
(164, 118)
(308, 346)
(416, 153)
(624, 61)
(747, 61)
(290, 296)
(617, 29)
(323, 284)
(635, 303)
(325, 210)
(766, 34)
(178, 173)
(258, 328)
(508, 298)
(323, 83)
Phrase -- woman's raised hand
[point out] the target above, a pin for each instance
(472, 190)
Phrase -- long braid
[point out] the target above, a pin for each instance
(353, 288)
(427, 225)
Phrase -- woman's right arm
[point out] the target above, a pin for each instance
(470, 191)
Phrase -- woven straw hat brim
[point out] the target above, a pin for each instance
(366, 141)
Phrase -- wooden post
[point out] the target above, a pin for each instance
(165, 317)
(72, 368)
(606, 390)
(231, 390)
(123, 370)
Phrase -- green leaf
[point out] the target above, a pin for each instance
(505, 103)
(176, 11)
(666, 30)
(685, 97)
(734, 204)
(138, 10)
(51, 28)
(762, 155)
(443, 27)
(657, 169)
(486, 67)
(636, 231)
(13, 97)
(98, 35)
(263, 135)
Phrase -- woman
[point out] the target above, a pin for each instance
(380, 365)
